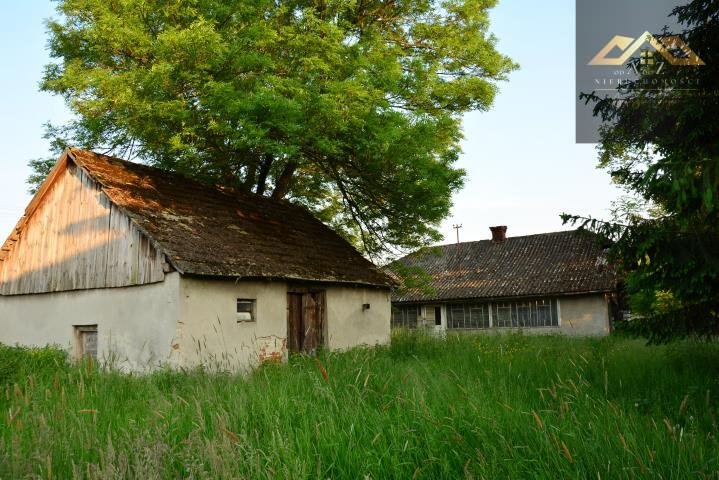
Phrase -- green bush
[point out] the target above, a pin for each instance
(17, 363)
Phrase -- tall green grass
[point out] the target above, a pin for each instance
(464, 407)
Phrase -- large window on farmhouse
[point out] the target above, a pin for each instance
(530, 313)
(405, 316)
(468, 315)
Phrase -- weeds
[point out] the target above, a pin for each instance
(464, 406)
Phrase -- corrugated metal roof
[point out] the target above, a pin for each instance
(211, 231)
(558, 263)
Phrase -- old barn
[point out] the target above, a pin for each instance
(136, 265)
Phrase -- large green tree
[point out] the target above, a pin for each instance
(350, 107)
(660, 141)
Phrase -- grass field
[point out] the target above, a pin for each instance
(466, 407)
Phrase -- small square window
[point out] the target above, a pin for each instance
(245, 310)
(86, 341)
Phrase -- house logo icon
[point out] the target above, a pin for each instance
(672, 48)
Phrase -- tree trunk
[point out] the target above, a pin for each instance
(282, 187)
(229, 179)
(267, 160)
(250, 177)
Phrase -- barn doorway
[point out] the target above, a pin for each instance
(305, 321)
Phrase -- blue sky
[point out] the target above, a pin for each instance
(523, 165)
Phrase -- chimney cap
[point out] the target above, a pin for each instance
(499, 233)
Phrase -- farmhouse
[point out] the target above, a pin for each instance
(143, 267)
(551, 282)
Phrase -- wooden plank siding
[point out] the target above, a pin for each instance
(76, 239)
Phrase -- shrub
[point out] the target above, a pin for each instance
(16, 363)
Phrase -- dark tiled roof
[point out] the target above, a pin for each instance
(536, 265)
(210, 231)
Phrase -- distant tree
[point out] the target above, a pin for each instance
(352, 108)
(412, 278)
(662, 145)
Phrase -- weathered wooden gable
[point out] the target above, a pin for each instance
(73, 237)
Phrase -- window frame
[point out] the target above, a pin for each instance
(252, 311)
(469, 312)
(542, 312)
(404, 323)
(80, 332)
(529, 311)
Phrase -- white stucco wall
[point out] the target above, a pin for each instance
(584, 315)
(348, 325)
(137, 326)
(210, 334)
(188, 322)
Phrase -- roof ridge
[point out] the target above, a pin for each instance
(508, 238)
(227, 190)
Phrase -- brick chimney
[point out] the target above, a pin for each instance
(499, 234)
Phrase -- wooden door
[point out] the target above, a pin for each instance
(305, 321)
(294, 322)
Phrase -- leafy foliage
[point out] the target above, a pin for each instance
(661, 144)
(350, 108)
(412, 278)
(16, 363)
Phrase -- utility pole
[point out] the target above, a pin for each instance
(457, 227)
